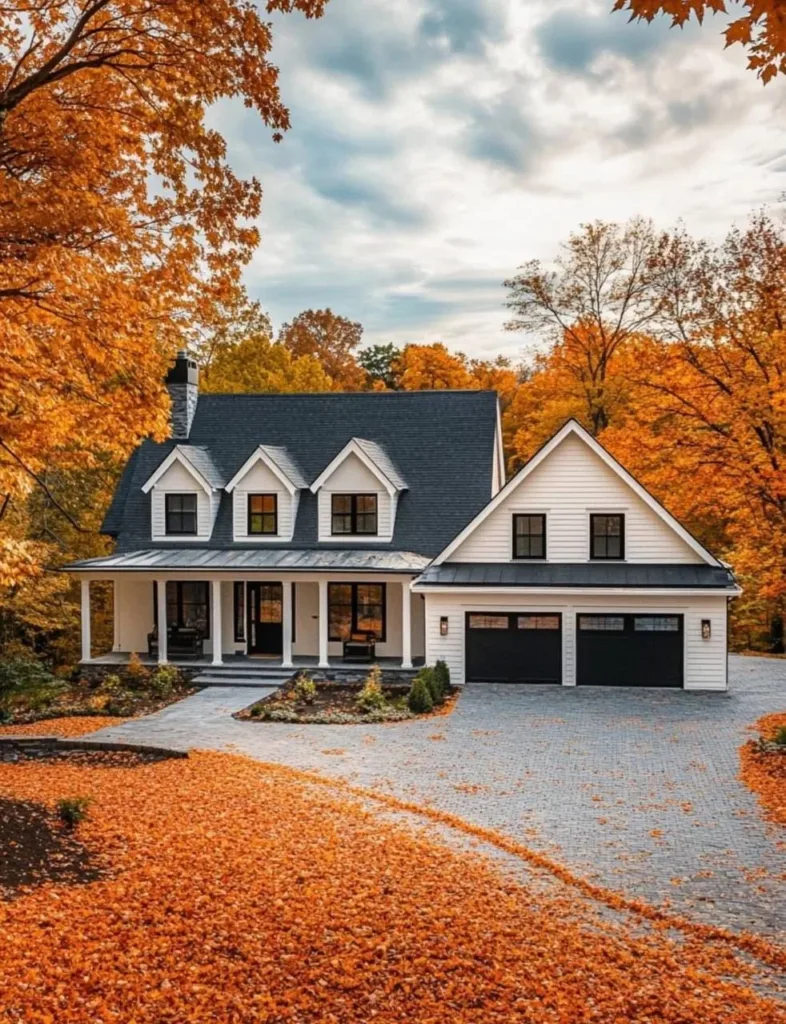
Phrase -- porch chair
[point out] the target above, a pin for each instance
(360, 647)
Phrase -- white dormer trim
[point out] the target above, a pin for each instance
(573, 427)
(353, 448)
(260, 455)
(177, 456)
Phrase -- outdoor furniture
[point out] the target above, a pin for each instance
(360, 647)
(181, 642)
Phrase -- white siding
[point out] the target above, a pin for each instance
(306, 618)
(352, 477)
(705, 660)
(133, 613)
(567, 486)
(261, 480)
(178, 480)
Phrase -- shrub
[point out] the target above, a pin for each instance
(99, 702)
(432, 683)
(371, 697)
(305, 689)
(21, 673)
(164, 680)
(442, 673)
(780, 735)
(420, 700)
(73, 809)
(136, 671)
(112, 685)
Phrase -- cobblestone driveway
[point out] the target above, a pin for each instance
(635, 789)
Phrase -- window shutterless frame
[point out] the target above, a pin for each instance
(347, 597)
(607, 536)
(353, 514)
(180, 515)
(262, 515)
(529, 536)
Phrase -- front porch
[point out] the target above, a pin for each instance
(274, 621)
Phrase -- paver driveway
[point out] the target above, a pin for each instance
(635, 789)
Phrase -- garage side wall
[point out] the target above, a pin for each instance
(704, 660)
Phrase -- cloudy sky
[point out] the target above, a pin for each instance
(437, 144)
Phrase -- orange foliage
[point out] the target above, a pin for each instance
(761, 30)
(240, 892)
(70, 726)
(431, 368)
(765, 774)
(322, 335)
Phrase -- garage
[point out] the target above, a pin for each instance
(629, 650)
(513, 647)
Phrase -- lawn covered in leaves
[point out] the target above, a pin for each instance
(765, 773)
(75, 725)
(240, 892)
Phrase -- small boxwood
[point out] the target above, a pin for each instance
(420, 700)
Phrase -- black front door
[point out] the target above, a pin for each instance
(265, 608)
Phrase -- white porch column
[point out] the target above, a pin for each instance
(406, 625)
(286, 624)
(215, 595)
(86, 644)
(162, 623)
(115, 619)
(323, 624)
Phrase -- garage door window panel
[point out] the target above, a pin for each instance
(489, 622)
(656, 624)
(538, 622)
(602, 623)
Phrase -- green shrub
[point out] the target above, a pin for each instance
(305, 689)
(21, 673)
(420, 700)
(164, 680)
(442, 673)
(112, 685)
(6, 718)
(432, 683)
(371, 697)
(73, 809)
(780, 735)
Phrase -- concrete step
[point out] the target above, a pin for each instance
(268, 685)
(249, 670)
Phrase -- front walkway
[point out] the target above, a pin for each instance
(637, 790)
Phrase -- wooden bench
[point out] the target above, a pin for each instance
(181, 642)
(360, 647)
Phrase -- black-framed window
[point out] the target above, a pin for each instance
(187, 605)
(262, 514)
(356, 608)
(181, 514)
(353, 514)
(529, 536)
(239, 606)
(607, 536)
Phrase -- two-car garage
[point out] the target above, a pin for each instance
(610, 649)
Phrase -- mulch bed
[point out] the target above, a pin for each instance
(763, 768)
(81, 699)
(334, 704)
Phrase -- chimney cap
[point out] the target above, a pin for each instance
(185, 370)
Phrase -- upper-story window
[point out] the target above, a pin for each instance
(262, 514)
(529, 536)
(353, 514)
(607, 536)
(181, 514)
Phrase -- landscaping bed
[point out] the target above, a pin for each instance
(29, 693)
(329, 702)
(763, 765)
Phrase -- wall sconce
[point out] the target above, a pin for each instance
(706, 629)
(443, 625)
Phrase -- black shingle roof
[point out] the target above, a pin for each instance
(578, 574)
(441, 441)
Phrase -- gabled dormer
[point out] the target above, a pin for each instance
(357, 494)
(265, 496)
(185, 492)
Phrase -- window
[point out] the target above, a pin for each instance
(181, 514)
(240, 611)
(356, 608)
(538, 622)
(187, 605)
(529, 536)
(607, 536)
(262, 514)
(353, 514)
(488, 622)
(656, 624)
(602, 623)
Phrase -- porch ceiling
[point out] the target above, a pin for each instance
(259, 558)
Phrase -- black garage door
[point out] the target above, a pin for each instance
(514, 647)
(629, 650)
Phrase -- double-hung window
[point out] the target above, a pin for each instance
(353, 514)
(607, 537)
(181, 514)
(529, 536)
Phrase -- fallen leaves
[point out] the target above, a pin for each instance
(241, 892)
(75, 725)
(765, 774)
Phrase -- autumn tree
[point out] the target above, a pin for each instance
(259, 365)
(597, 295)
(760, 28)
(431, 368)
(331, 339)
(378, 362)
(122, 227)
(235, 321)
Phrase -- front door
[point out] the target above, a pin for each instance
(265, 616)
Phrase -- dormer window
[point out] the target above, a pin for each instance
(607, 537)
(262, 514)
(181, 514)
(354, 514)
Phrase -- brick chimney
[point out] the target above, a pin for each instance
(182, 383)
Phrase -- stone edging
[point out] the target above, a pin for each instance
(39, 745)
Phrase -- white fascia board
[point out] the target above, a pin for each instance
(499, 451)
(499, 593)
(573, 427)
(173, 457)
(260, 456)
(352, 448)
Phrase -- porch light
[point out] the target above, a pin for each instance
(706, 629)
(443, 625)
